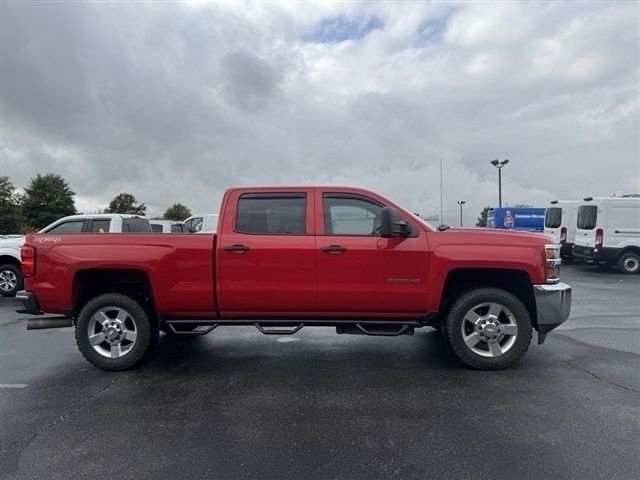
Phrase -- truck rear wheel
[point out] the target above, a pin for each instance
(488, 328)
(114, 332)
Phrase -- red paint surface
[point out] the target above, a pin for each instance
(284, 275)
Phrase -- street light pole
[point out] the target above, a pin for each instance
(499, 164)
(461, 203)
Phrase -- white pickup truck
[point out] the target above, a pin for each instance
(10, 274)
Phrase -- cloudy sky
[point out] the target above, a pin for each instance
(176, 102)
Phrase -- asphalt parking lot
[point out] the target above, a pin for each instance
(237, 404)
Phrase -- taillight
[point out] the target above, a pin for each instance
(599, 238)
(28, 261)
(563, 235)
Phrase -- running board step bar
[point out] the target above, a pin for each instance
(190, 327)
(375, 330)
(272, 330)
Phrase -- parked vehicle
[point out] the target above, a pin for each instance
(99, 223)
(560, 223)
(168, 226)
(516, 218)
(10, 274)
(608, 232)
(290, 257)
(202, 223)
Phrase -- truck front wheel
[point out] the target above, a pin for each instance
(489, 328)
(114, 332)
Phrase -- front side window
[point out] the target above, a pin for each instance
(74, 226)
(272, 214)
(351, 216)
(587, 217)
(100, 226)
(194, 225)
(553, 217)
(156, 228)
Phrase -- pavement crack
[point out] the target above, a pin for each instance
(599, 378)
(61, 419)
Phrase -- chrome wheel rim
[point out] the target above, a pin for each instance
(631, 264)
(489, 329)
(112, 332)
(8, 280)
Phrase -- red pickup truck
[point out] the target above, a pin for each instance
(291, 257)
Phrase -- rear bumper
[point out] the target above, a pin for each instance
(29, 303)
(553, 304)
(566, 249)
(603, 255)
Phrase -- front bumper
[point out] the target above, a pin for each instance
(29, 302)
(553, 304)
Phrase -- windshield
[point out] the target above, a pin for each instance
(587, 216)
(553, 217)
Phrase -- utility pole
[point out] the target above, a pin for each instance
(461, 203)
(499, 164)
(441, 219)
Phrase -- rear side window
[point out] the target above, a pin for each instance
(272, 214)
(587, 217)
(177, 228)
(156, 228)
(100, 226)
(350, 216)
(134, 225)
(194, 225)
(74, 226)
(553, 217)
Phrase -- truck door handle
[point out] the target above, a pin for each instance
(334, 249)
(236, 248)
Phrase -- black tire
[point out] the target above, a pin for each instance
(146, 329)
(7, 273)
(479, 296)
(629, 262)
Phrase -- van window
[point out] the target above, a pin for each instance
(268, 213)
(553, 217)
(587, 217)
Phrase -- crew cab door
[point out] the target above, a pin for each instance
(266, 250)
(361, 273)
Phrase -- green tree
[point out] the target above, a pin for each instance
(10, 211)
(126, 203)
(178, 212)
(482, 219)
(46, 199)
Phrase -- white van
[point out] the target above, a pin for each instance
(608, 232)
(202, 223)
(560, 223)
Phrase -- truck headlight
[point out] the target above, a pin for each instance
(552, 253)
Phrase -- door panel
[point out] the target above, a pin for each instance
(266, 256)
(365, 273)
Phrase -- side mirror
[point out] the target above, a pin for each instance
(392, 224)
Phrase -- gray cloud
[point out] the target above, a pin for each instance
(175, 103)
